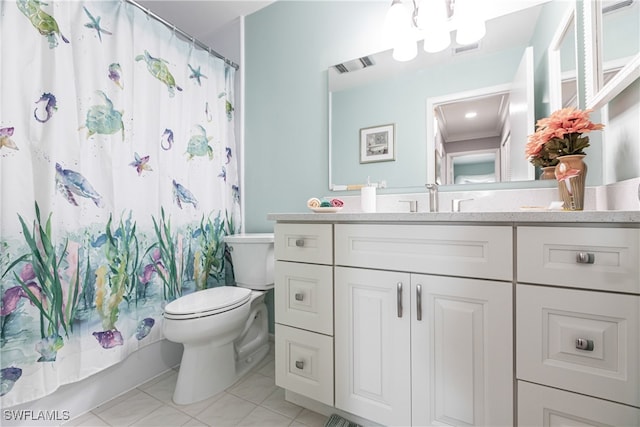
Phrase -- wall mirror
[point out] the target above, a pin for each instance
(612, 46)
(375, 90)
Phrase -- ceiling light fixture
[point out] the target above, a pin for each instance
(432, 21)
(470, 115)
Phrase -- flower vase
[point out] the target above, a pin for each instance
(548, 172)
(571, 173)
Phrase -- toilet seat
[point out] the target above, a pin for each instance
(207, 302)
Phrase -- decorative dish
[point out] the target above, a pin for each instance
(331, 209)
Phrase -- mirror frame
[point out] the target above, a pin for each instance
(450, 159)
(555, 60)
(597, 93)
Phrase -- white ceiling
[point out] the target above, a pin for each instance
(491, 113)
(202, 18)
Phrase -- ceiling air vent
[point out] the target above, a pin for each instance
(617, 5)
(366, 62)
(341, 68)
(354, 65)
(466, 48)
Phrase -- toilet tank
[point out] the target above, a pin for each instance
(252, 257)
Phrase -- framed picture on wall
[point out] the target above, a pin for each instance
(378, 144)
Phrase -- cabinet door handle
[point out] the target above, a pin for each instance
(584, 344)
(299, 297)
(300, 364)
(299, 243)
(585, 258)
(399, 297)
(419, 302)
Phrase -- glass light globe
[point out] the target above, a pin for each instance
(405, 51)
(436, 40)
(397, 20)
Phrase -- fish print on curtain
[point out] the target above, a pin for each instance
(118, 182)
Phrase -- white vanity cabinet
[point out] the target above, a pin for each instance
(304, 309)
(424, 349)
(578, 326)
(418, 319)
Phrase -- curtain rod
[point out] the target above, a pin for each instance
(183, 34)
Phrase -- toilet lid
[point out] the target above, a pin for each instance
(208, 301)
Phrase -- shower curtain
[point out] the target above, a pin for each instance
(118, 181)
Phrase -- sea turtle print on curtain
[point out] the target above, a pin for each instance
(112, 196)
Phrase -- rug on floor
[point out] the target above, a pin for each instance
(336, 420)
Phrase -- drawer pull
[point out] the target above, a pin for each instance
(299, 297)
(299, 243)
(584, 344)
(585, 258)
(300, 364)
(419, 302)
(399, 297)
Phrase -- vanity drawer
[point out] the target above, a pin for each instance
(545, 406)
(591, 258)
(304, 363)
(457, 250)
(311, 243)
(304, 296)
(549, 323)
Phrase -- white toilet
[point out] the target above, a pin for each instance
(224, 330)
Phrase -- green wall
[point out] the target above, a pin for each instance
(289, 46)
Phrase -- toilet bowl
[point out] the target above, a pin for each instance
(224, 329)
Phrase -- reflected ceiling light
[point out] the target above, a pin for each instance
(431, 21)
(470, 115)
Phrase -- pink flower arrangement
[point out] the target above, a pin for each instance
(560, 134)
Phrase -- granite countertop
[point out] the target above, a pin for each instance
(523, 216)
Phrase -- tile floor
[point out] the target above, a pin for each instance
(254, 400)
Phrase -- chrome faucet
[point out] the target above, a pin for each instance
(433, 197)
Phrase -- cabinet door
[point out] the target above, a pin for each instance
(462, 351)
(372, 348)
